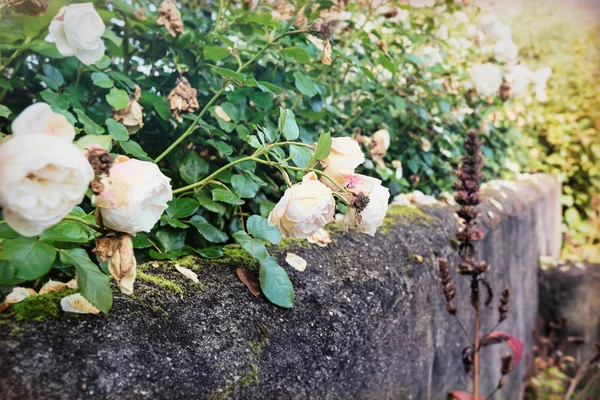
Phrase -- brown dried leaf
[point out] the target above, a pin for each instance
(117, 248)
(326, 58)
(249, 279)
(132, 116)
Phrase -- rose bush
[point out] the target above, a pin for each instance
(236, 122)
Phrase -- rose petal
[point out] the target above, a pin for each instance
(19, 294)
(188, 273)
(52, 286)
(295, 261)
(78, 304)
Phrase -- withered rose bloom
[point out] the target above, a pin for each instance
(326, 58)
(131, 116)
(170, 17)
(117, 249)
(182, 98)
(30, 7)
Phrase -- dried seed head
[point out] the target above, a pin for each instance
(100, 160)
(360, 202)
(33, 8)
(504, 91)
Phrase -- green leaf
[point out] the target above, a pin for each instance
(89, 125)
(214, 53)
(4, 111)
(93, 284)
(103, 63)
(117, 98)
(135, 150)
(209, 232)
(141, 241)
(287, 124)
(117, 130)
(206, 201)
(102, 80)
(7, 274)
(243, 186)
(193, 168)
(110, 35)
(301, 155)
(53, 74)
(259, 228)
(68, 231)
(252, 246)
(297, 54)
(323, 146)
(30, 259)
(275, 283)
(104, 141)
(211, 252)
(227, 73)
(175, 223)
(305, 84)
(167, 256)
(224, 195)
(181, 208)
(170, 240)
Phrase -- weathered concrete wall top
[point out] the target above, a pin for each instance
(368, 323)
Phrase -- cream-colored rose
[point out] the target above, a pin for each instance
(42, 178)
(77, 31)
(506, 51)
(372, 216)
(39, 118)
(519, 78)
(304, 208)
(344, 157)
(135, 195)
(487, 79)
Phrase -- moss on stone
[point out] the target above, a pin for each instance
(409, 213)
(160, 281)
(39, 307)
(235, 256)
(293, 243)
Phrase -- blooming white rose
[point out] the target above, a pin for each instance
(519, 78)
(304, 208)
(42, 178)
(431, 56)
(344, 157)
(39, 118)
(372, 216)
(135, 196)
(77, 31)
(506, 51)
(486, 78)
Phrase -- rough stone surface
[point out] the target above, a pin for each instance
(572, 290)
(368, 322)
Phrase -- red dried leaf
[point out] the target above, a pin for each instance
(249, 279)
(4, 306)
(460, 395)
(514, 343)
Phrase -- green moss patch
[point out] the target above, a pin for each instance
(160, 281)
(39, 307)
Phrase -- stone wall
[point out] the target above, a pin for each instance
(368, 321)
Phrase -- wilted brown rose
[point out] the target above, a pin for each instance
(131, 116)
(182, 98)
(326, 59)
(117, 249)
(170, 17)
(29, 7)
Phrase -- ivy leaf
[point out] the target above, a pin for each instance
(93, 284)
(305, 84)
(30, 259)
(89, 125)
(102, 80)
(323, 146)
(193, 167)
(243, 186)
(252, 246)
(297, 54)
(183, 207)
(275, 283)
(224, 195)
(259, 228)
(209, 232)
(117, 130)
(117, 98)
(287, 124)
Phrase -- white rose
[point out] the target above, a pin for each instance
(373, 215)
(344, 157)
(422, 3)
(77, 31)
(487, 79)
(135, 196)
(431, 56)
(304, 208)
(519, 78)
(41, 179)
(506, 51)
(39, 118)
